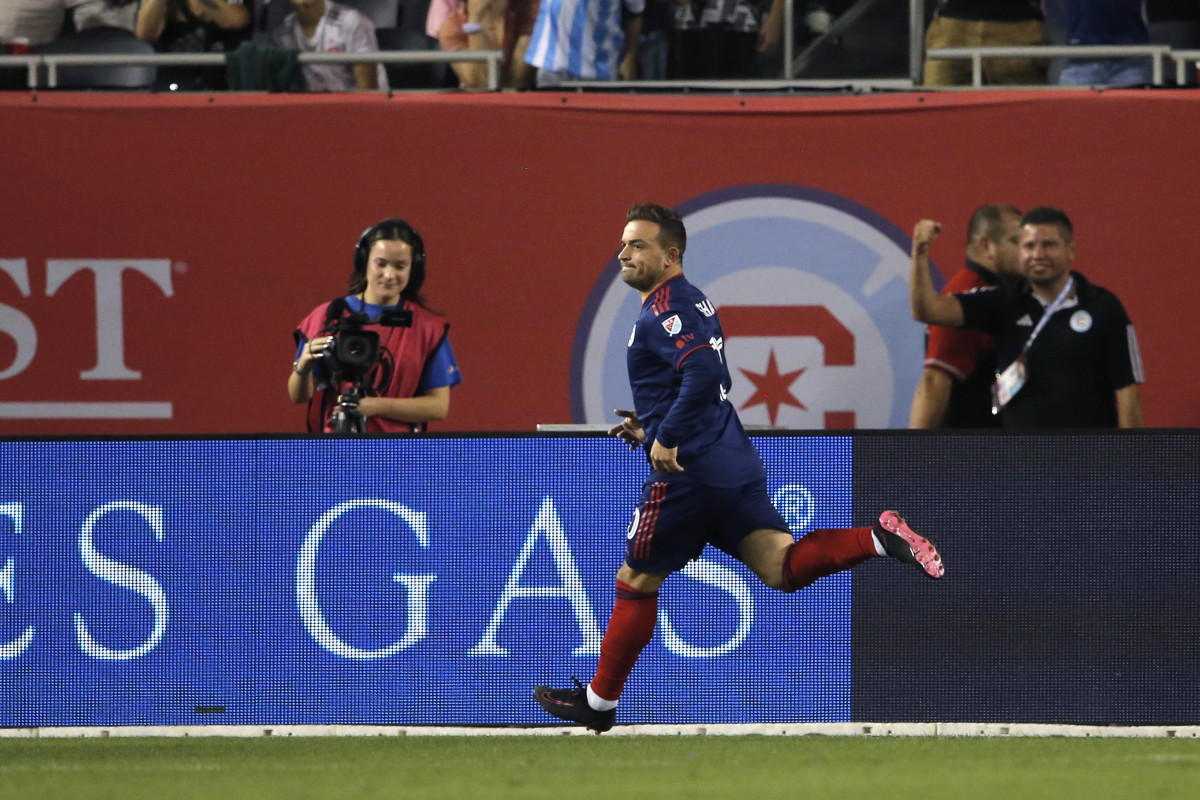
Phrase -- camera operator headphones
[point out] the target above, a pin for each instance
(362, 250)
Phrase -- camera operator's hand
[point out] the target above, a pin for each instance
(316, 348)
(301, 383)
(369, 406)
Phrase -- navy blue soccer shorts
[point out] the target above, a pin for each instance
(677, 519)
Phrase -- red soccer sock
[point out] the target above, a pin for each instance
(629, 630)
(825, 552)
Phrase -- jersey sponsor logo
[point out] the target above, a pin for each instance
(1081, 321)
(672, 325)
(811, 290)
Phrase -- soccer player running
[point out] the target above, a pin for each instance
(707, 484)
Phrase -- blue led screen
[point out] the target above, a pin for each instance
(408, 580)
(1070, 595)
(433, 580)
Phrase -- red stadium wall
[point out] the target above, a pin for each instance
(159, 249)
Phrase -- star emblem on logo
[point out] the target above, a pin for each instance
(773, 388)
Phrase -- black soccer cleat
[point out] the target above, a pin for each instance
(904, 544)
(572, 705)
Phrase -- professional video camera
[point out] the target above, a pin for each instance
(353, 352)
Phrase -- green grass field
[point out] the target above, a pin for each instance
(598, 767)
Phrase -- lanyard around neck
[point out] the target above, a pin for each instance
(1050, 309)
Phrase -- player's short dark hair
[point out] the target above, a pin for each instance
(671, 232)
(989, 221)
(1047, 215)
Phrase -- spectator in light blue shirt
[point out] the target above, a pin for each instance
(585, 40)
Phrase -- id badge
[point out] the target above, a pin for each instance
(1007, 384)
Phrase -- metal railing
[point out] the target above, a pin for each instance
(1182, 59)
(1157, 52)
(53, 61)
(916, 40)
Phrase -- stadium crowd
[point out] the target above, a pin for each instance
(547, 41)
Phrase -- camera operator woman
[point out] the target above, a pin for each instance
(408, 385)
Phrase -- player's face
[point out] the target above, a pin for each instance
(644, 262)
(389, 266)
(1046, 255)
(1008, 249)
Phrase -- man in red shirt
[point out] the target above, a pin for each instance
(955, 387)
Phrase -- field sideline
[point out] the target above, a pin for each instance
(532, 767)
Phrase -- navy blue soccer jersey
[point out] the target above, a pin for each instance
(680, 386)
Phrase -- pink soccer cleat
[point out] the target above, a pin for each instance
(904, 544)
